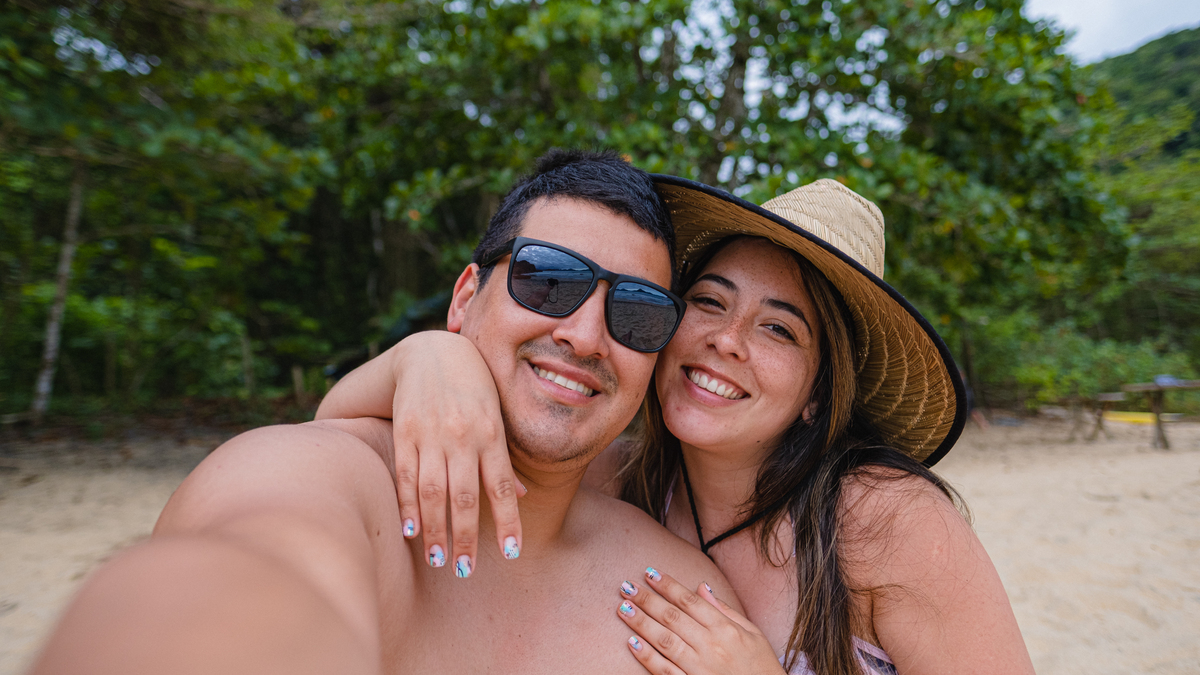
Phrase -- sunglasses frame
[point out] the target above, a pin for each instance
(514, 246)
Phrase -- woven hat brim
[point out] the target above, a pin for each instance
(909, 387)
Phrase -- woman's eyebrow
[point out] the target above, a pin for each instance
(791, 309)
(716, 278)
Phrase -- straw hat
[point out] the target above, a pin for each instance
(908, 385)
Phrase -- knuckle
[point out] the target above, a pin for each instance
(504, 490)
(689, 599)
(464, 542)
(406, 476)
(668, 643)
(671, 616)
(432, 492)
(465, 500)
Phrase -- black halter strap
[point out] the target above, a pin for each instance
(705, 545)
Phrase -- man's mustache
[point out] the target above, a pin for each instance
(598, 368)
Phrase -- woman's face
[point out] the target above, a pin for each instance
(751, 334)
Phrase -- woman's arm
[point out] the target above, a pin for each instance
(447, 432)
(935, 602)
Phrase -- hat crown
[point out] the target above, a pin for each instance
(838, 215)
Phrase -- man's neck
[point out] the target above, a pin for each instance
(543, 509)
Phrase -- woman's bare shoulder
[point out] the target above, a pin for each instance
(895, 526)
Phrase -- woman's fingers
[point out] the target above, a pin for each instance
(463, 468)
(666, 644)
(503, 489)
(650, 659)
(705, 591)
(664, 612)
(407, 469)
(682, 598)
(431, 491)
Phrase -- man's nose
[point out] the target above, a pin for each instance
(585, 329)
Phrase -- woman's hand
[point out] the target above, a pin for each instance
(684, 633)
(448, 435)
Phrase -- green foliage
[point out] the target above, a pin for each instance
(1053, 364)
(270, 185)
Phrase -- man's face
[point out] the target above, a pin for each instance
(548, 424)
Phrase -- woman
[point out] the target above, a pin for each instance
(787, 434)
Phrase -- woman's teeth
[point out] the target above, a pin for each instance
(715, 386)
(562, 381)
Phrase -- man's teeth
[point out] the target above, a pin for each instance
(719, 388)
(562, 381)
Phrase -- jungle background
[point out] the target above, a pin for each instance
(206, 205)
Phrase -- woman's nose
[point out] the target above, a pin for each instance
(730, 337)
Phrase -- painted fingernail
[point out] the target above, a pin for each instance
(410, 528)
(524, 489)
(511, 550)
(437, 557)
(462, 567)
(628, 589)
(626, 609)
(652, 574)
(635, 643)
(708, 588)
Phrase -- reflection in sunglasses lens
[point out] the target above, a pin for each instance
(549, 281)
(640, 316)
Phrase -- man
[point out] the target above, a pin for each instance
(283, 551)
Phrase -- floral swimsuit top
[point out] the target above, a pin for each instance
(872, 659)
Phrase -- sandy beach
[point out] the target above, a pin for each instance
(1097, 543)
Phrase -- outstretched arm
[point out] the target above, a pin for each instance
(448, 436)
(263, 561)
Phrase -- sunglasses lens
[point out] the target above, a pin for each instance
(641, 317)
(548, 281)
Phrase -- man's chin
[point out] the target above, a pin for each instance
(550, 446)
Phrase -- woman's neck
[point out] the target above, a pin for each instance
(722, 486)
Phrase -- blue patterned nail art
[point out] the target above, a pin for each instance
(635, 643)
(410, 530)
(462, 567)
(652, 574)
(626, 608)
(437, 558)
(708, 588)
(628, 589)
(511, 550)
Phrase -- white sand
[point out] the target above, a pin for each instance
(1096, 543)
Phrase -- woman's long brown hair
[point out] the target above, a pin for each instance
(802, 479)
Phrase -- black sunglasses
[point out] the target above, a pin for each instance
(555, 281)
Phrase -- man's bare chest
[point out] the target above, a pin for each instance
(512, 623)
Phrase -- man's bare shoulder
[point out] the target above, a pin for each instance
(626, 534)
(305, 468)
(310, 496)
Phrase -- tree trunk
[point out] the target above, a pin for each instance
(45, 381)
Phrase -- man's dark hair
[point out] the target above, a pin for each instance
(603, 178)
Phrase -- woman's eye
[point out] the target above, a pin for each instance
(781, 331)
(704, 300)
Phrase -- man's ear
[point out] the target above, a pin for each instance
(464, 291)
